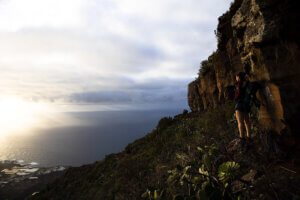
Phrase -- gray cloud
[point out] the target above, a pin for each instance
(105, 51)
(101, 97)
(157, 92)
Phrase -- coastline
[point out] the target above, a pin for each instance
(19, 180)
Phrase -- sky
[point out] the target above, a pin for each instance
(119, 53)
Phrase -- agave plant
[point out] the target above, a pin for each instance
(228, 170)
(202, 171)
(152, 195)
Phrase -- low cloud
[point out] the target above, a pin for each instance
(101, 97)
(103, 51)
(157, 91)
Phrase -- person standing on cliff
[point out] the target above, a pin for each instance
(242, 107)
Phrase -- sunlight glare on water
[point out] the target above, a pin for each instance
(19, 121)
(17, 114)
(20, 116)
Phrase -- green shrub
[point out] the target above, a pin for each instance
(164, 123)
(185, 111)
(227, 171)
(205, 67)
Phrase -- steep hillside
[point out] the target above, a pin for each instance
(190, 156)
(195, 155)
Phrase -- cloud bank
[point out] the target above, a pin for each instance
(105, 51)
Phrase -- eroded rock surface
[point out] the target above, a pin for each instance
(261, 38)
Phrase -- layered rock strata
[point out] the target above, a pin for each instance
(261, 38)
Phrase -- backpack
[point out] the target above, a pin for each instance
(250, 93)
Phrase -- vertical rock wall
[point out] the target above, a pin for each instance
(261, 37)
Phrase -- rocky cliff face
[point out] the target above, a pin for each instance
(261, 38)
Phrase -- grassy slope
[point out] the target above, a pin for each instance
(172, 145)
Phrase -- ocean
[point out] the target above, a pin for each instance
(101, 133)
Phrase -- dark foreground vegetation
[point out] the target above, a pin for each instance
(196, 155)
(190, 156)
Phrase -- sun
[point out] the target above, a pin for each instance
(17, 114)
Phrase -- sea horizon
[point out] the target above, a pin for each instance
(94, 135)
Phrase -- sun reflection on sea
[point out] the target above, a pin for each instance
(17, 114)
(23, 121)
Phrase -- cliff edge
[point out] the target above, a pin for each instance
(262, 39)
